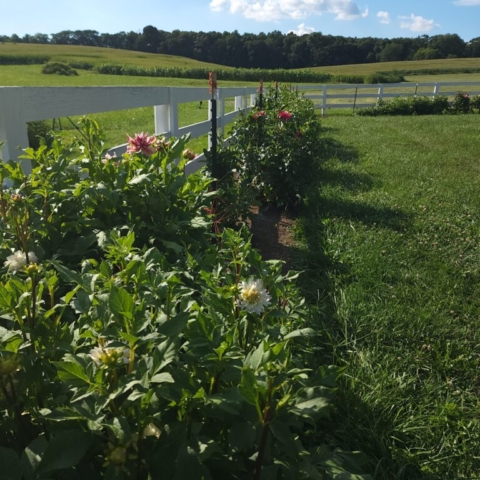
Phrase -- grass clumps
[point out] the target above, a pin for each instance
(384, 77)
(59, 68)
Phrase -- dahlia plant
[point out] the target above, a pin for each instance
(138, 348)
(274, 148)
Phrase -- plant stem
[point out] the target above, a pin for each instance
(266, 417)
(261, 452)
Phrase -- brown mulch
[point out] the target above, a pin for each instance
(272, 232)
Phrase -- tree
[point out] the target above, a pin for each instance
(40, 38)
(427, 54)
(473, 47)
(391, 53)
(449, 44)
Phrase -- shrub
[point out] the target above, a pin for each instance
(384, 77)
(59, 68)
(409, 106)
(440, 104)
(32, 59)
(82, 65)
(461, 103)
(39, 132)
(475, 102)
(275, 147)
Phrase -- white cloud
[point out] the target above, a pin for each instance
(467, 3)
(217, 5)
(302, 30)
(273, 10)
(416, 23)
(384, 17)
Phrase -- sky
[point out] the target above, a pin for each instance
(349, 18)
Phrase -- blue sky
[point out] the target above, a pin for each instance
(355, 18)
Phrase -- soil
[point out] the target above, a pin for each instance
(273, 235)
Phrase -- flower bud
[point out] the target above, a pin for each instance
(8, 366)
(117, 456)
(32, 269)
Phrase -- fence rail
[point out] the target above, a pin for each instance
(328, 95)
(19, 105)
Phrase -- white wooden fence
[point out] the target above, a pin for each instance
(357, 96)
(19, 105)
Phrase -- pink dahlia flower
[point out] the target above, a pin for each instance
(141, 143)
(283, 115)
(260, 113)
(188, 154)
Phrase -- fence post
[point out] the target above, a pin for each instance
(355, 99)
(324, 100)
(380, 93)
(162, 117)
(260, 95)
(212, 116)
(238, 103)
(13, 127)
(173, 113)
(435, 90)
(221, 111)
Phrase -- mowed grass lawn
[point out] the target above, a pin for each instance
(390, 246)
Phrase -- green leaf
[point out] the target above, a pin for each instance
(189, 466)
(32, 456)
(164, 354)
(5, 298)
(173, 326)
(199, 222)
(10, 465)
(139, 179)
(248, 386)
(312, 407)
(67, 275)
(65, 450)
(72, 373)
(172, 246)
(282, 433)
(303, 332)
(82, 302)
(163, 377)
(11, 341)
(121, 303)
(120, 428)
(241, 436)
(256, 357)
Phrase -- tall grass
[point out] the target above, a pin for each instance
(390, 246)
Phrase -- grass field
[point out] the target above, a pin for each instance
(99, 55)
(391, 254)
(369, 68)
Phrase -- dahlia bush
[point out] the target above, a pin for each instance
(135, 343)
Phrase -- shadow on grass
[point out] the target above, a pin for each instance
(356, 424)
(332, 148)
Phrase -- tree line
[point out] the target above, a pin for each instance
(266, 50)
